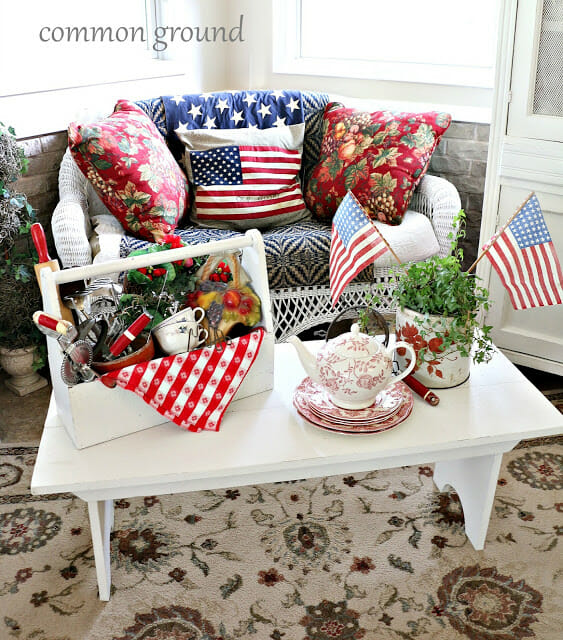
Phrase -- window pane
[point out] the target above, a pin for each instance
(413, 31)
(43, 53)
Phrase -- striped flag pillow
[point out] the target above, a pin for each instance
(246, 183)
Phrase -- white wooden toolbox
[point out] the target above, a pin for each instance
(93, 413)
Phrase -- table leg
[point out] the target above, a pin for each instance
(475, 481)
(101, 522)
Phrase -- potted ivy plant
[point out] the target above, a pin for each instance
(439, 312)
(22, 350)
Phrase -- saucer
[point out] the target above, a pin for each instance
(386, 404)
(383, 424)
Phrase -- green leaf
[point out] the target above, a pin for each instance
(379, 138)
(232, 585)
(398, 563)
(102, 164)
(124, 145)
(334, 165)
(414, 538)
(384, 183)
(356, 172)
(128, 161)
(408, 140)
(200, 564)
(385, 157)
(439, 287)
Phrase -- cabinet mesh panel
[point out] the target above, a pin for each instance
(548, 93)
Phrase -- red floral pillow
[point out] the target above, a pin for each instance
(380, 157)
(132, 170)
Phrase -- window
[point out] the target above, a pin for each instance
(422, 41)
(66, 60)
(56, 45)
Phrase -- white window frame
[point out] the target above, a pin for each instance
(36, 110)
(287, 59)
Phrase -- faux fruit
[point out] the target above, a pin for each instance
(231, 299)
(239, 306)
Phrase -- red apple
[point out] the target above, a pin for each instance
(231, 299)
(246, 306)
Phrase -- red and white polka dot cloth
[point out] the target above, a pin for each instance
(193, 389)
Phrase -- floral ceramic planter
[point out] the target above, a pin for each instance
(437, 370)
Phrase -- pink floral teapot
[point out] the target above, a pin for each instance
(353, 367)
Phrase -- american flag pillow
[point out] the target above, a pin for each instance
(242, 154)
(246, 183)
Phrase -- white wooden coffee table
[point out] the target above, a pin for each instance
(263, 439)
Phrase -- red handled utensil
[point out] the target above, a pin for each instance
(77, 359)
(40, 242)
(55, 327)
(423, 392)
(132, 331)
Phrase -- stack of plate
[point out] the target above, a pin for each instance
(392, 406)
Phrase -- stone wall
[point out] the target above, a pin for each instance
(461, 158)
(40, 183)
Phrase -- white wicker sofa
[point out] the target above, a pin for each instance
(297, 255)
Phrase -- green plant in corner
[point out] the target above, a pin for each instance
(440, 290)
(19, 292)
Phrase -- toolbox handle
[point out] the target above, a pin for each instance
(251, 238)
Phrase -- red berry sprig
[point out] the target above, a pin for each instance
(222, 273)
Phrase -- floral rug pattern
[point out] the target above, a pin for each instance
(380, 555)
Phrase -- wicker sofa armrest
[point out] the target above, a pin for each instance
(439, 201)
(70, 222)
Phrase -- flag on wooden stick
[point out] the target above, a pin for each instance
(524, 257)
(355, 244)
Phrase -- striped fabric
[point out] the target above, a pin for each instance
(242, 153)
(314, 104)
(248, 182)
(193, 389)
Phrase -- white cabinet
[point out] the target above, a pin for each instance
(526, 154)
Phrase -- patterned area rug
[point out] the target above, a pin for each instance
(379, 555)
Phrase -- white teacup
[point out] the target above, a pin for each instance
(197, 335)
(180, 336)
(185, 315)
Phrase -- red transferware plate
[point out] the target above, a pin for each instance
(404, 410)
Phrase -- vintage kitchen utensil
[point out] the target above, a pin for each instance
(94, 331)
(142, 350)
(40, 242)
(76, 367)
(132, 331)
(50, 325)
(78, 354)
(353, 367)
(100, 297)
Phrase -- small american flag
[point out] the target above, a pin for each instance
(524, 257)
(355, 244)
(246, 181)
